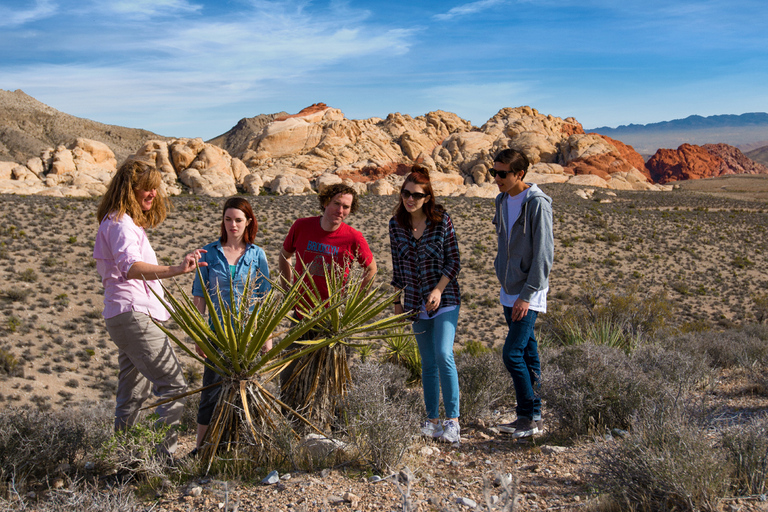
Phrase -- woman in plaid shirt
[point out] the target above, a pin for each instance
(425, 261)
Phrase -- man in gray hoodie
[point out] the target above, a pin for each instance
(523, 223)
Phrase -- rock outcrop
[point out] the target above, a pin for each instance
(318, 146)
(689, 162)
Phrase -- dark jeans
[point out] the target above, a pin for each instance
(521, 357)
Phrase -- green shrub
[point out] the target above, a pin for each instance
(668, 463)
(403, 350)
(28, 276)
(9, 365)
(484, 383)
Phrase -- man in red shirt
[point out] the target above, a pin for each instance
(319, 241)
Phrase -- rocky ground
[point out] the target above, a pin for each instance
(705, 248)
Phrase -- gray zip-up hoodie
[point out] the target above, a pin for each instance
(525, 255)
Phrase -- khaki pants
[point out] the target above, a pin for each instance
(147, 364)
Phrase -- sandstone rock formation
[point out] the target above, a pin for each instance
(304, 152)
(694, 162)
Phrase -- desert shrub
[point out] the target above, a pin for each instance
(484, 383)
(28, 276)
(677, 371)
(761, 307)
(747, 449)
(746, 346)
(33, 442)
(10, 365)
(668, 463)
(380, 413)
(134, 450)
(589, 388)
(605, 316)
(81, 496)
(16, 294)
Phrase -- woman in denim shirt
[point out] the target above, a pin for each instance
(233, 255)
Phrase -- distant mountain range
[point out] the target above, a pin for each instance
(746, 131)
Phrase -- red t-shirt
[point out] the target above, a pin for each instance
(313, 246)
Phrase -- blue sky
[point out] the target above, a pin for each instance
(190, 68)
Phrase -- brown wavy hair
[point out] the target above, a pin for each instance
(120, 198)
(420, 176)
(338, 188)
(242, 204)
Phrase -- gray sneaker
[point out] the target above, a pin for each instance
(521, 427)
(451, 432)
(431, 430)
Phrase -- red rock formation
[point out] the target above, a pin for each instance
(735, 161)
(629, 154)
(602, 165)
(369, 174)
(688, 162)
(315, 107)
(572, 127)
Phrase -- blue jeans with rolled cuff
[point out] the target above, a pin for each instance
(521, 357)
(438, 370)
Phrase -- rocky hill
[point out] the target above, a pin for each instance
(759, 155)
(28, 128)
(304, 152)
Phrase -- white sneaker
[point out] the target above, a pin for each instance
(431, 430)
(451, 432)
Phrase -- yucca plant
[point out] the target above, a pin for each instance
(233, 342)
(320, 379)
(403, 350)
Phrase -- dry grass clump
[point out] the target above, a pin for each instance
(381, 414)
(668, 463)
(79, 496)
(33, 443)
(746, 346)
(747, 449)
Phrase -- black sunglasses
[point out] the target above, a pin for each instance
(416, 195)
(502, 174)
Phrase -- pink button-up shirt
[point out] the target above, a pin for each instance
(120, 244)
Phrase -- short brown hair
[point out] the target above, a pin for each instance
(339, 188)
(242, 204)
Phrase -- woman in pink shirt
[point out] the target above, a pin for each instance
(129, 271)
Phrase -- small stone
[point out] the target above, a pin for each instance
(58, 483)
(547, 449)
(351, 498)
(324, 473)
(89, 466)
(286, 476)
(272, 478)
(617, 432)
(374, 479)
(425, 451)
(195, 491)
(466, 502)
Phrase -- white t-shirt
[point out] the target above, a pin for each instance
(538, 302)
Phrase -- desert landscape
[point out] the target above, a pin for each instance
(701, 246)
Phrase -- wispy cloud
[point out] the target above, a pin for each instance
(148, 8)
(16, 18)
(466, 9)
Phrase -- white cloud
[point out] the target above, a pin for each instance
(41, 9)
(470, 8)
(148, 8)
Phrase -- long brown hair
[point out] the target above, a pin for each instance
(242, 204)
(120, 198)
(419, 176)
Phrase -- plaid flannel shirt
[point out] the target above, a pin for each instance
(418, 265)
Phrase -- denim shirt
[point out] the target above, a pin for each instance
(216, 275)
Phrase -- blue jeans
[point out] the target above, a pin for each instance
(438, 369)
(521, 357)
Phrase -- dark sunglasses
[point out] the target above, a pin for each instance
(416, 195)
(502, 174)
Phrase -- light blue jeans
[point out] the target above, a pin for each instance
(438, 369)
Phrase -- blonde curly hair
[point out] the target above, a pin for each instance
(120, 199)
